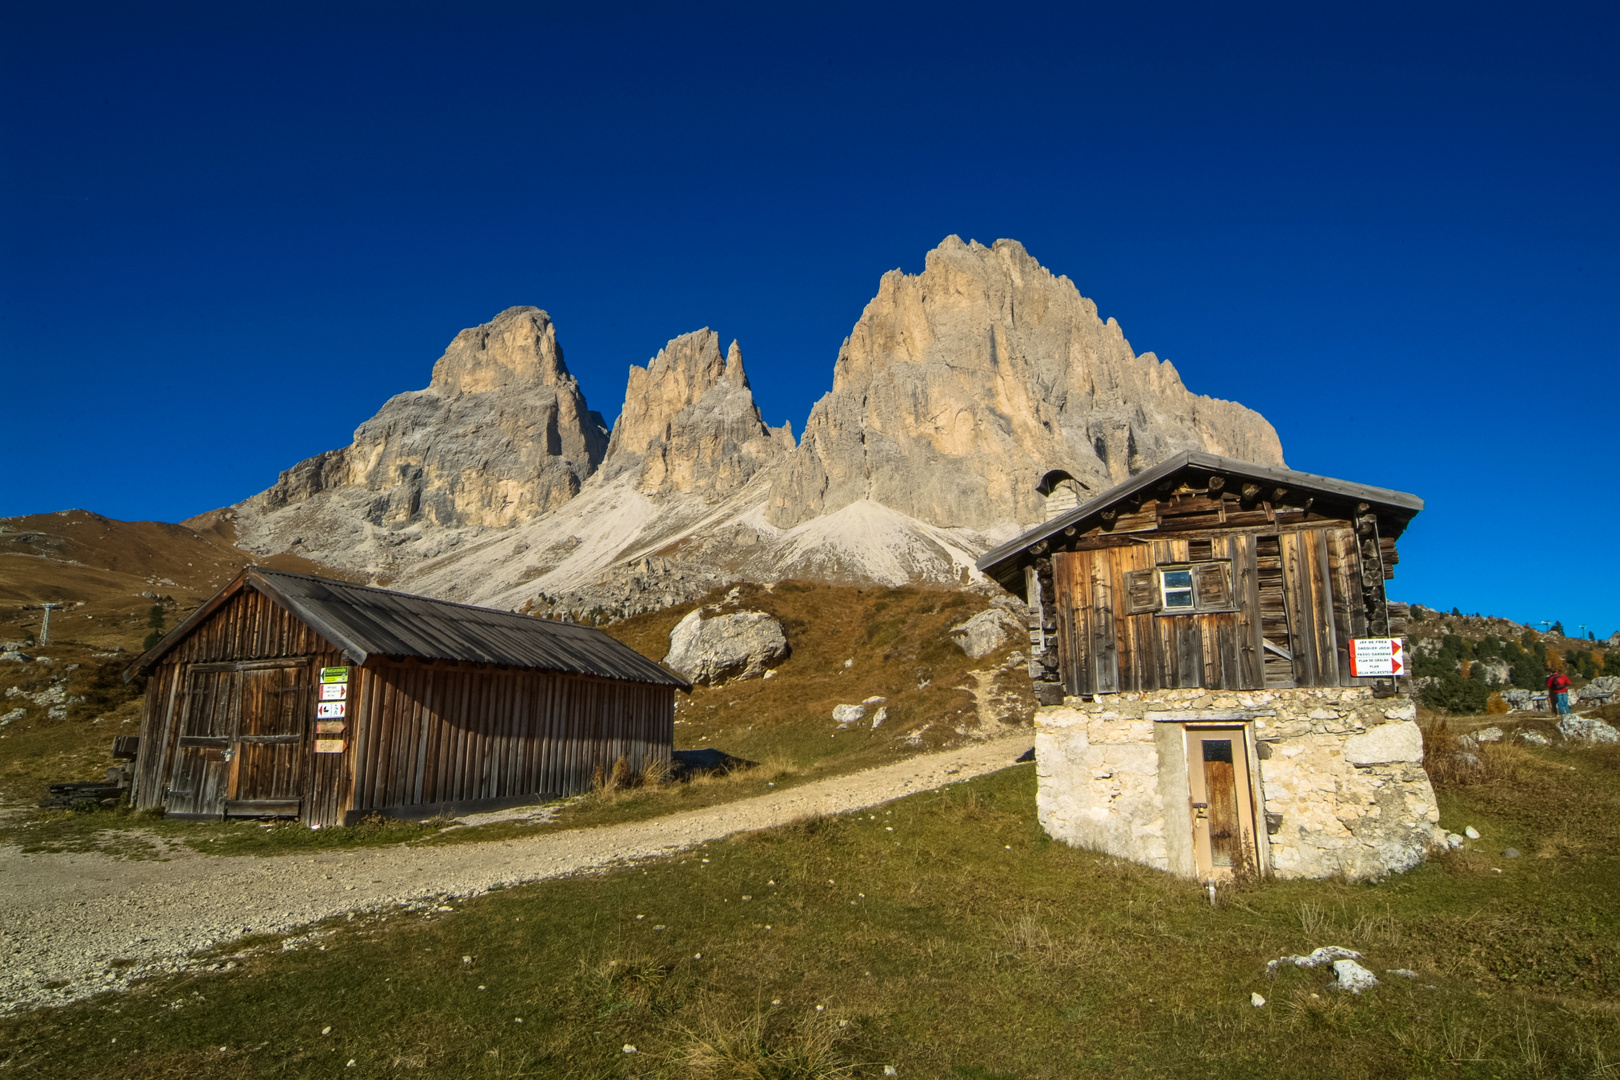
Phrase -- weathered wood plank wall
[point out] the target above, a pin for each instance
(1299, 583)
(446, 733)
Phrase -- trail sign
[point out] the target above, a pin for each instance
(336, 691)
(331, 710)
(1377, 657)
(334, 674)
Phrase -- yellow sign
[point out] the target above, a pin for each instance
(334, 674)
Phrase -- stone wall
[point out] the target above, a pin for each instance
(1338, 773)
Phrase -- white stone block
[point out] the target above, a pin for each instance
(1387, 743)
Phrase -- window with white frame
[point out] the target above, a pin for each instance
(1177, 589)
(1180, 589)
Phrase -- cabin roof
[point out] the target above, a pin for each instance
(1398, 506)
(365, 621)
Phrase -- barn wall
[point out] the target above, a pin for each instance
(435, 734)
(1302, 588)
(249, 626)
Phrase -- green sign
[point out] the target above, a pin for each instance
(334, 674)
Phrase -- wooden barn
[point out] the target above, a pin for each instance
(1203, 642)
(298, 696)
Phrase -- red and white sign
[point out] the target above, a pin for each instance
(1377, 656)
(335, 691)
(331, 710)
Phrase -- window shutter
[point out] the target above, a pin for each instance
(1213, 591)
(1141, 591)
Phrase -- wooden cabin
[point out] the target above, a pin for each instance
(1208, 572)
(1201, 640)
(297, 696)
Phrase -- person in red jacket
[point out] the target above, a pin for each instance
(1558, 692)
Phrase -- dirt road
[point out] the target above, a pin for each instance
(64, 919)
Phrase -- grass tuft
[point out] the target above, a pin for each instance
(762, 1047)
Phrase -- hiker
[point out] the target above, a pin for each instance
(1558, 692)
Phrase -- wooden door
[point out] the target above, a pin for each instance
(1222, 804)
(273, 715)
(199, 782)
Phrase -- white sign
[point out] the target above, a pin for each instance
(334, 691)
(1377, 656)
(331, 710)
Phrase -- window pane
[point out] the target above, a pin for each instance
(1178, 579)
(1178, 598)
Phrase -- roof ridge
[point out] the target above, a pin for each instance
(393, 592)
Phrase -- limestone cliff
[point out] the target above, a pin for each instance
(962, 386)
(689, 423)
(501, 435)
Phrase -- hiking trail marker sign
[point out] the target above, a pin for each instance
(1377, 657)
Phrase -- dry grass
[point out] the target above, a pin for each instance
(101, 567)
(764, 1046)
(899, 642)
(964, 943)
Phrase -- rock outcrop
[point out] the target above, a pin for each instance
(500, 436)
(984, 633)
(960, 388)
(690, 425)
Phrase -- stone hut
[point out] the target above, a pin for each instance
(1202, 641)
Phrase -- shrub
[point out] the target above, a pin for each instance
(1452, 693)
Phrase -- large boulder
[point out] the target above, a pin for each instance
(740, 645)
(985, 632)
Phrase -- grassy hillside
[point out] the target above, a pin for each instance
(945, 936)
(899, 643)
(110, 573)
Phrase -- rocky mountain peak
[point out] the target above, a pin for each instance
(500, 435)
(690, 424)
(960, 388)
(517, 348)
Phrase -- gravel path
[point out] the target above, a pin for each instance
(65, 917)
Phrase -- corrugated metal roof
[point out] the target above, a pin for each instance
(365, 621)
(1402, 505)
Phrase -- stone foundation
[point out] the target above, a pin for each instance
(1338, 778)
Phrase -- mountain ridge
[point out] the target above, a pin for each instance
(960, 393)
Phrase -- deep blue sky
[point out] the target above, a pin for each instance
(231, 231)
